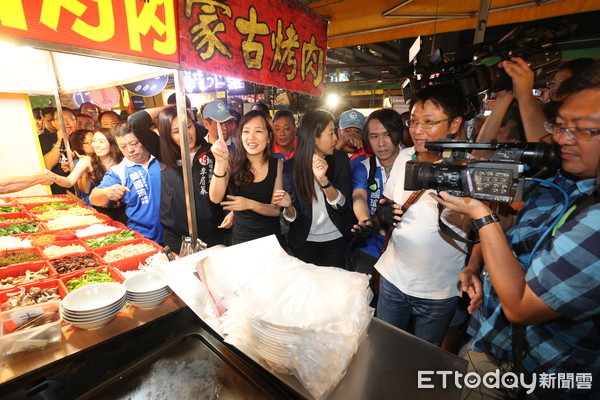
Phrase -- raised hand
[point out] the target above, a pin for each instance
(521, 75)
(219, 148)
(319, 167)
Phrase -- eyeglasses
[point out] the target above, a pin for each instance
(411, 123)
(553, 83)
(573, 132)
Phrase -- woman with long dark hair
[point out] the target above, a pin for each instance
(317, 197)
(166, 148)
(251, 175)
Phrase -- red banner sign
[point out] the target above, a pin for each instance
(272, 42)
(143, 28)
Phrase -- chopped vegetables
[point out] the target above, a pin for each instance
(111, 238)
(58, 251)
(129, 250)
(13, 219)
(88, 278)
(42, 239)
(9, 209)
(17, 229)
(17, 257)
(53, 206)
(95, 230)
(69, 264)
(53, 214)
(7, 283)
(11, 242)
(35, 295)
(40, 199)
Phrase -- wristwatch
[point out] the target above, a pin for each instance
(481, 222)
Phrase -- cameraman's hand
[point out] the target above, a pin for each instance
(521, 75)
(467, 206)
(471, 285)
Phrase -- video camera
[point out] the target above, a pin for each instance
(470, 73)
(499, 179)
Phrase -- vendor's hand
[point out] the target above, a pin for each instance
(46, 177)
(471, 285)
(521, 75)
(319, 167)
(282, 199)
(227, 221)
(219, 148)
(467, 206)
(116, 192)
(236, 203)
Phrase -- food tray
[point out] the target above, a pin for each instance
(37, 214)
(20, 269)
(20, 206)
(6, 200)
(129, 261)
(41, 199)
(22, 250)
(136, 234)
(47, 284)
(31, 339)
(31, 206)
(30, 236)
(100, 216)
(15, 215)
(101, 263)
(113, 274)
(65, 243)
(116, 224)
(40, 225)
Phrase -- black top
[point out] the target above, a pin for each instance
(343, 218)
(173, 215)
(47, 140)
(249, 225)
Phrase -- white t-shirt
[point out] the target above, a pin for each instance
(420, 260)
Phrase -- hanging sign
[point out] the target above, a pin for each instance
(132, 27)
(196, 81)
(105, 98)
(148, 87)
(81, 97)
(278, 43)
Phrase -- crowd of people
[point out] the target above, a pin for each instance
(332, 192)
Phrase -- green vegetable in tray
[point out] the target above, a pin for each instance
(53, 206)
(17, 257)
(9, 209)
(89, 278)
(12, 219)
(16, 229)
(111, 238)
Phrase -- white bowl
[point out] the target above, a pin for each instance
(99, 315)
(96, 311)
(144, 282)
(94, 324)
(149, 304)
(94, 297)
(138, 297)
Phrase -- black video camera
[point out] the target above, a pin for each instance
(499, 179)
(475, 68)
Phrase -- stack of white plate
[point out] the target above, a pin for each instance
(275, 343)
(93, 306)
(146, 290)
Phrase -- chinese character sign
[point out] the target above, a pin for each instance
(132, 27)
(278, 43)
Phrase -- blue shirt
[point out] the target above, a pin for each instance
(360, 177)
(143, 200)
(565, 274)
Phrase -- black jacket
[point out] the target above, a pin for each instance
(173, 215)
(342, 218)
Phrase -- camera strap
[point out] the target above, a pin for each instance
(450, 232)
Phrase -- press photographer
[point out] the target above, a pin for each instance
(541, 311)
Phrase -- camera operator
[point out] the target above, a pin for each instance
(420, 265)
(551, 286)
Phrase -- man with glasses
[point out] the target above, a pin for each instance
(418, 289)
(90, 109)
(541, 310)
(53, 147)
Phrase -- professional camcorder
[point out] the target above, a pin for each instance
(471, 70)
(499, 179)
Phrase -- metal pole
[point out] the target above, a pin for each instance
(482, 16)
(186, 161)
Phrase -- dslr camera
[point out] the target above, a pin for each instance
(499, 179)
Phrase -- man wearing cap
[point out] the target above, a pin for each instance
(214, 113)
(350, 136)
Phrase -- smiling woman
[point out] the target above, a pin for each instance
(251, 176)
